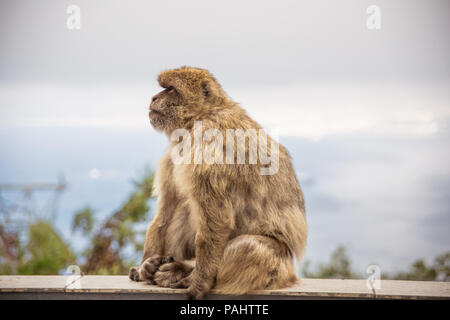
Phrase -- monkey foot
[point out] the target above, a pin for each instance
(170, 273)
(147, 269)
(195, 290)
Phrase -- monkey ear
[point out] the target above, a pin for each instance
(206, 89)
(210, 91)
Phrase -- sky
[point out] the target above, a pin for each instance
(364, 113)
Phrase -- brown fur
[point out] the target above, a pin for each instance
(242, 228)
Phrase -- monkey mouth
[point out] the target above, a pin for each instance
(157, 118)
(155, 113)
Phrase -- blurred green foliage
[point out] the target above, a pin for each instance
(339, 267)
(419, 270)
(107, 251)
(45, 251)
(83, 220)
(113, 244)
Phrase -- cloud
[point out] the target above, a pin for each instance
(305, 111)
(389, 197)
(53, 105)
(262, 42)
(320, 110)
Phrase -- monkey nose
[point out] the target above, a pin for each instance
(152, 103)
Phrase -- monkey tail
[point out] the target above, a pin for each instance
(253, 263)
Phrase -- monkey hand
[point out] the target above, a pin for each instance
(147, 269)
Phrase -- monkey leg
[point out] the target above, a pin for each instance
(147, 269)
(254, 263)
(170, 273)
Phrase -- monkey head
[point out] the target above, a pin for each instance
(189, 93)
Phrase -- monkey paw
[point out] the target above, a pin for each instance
(182, 283)
(170, 273)
(134, 274)
(195, 293)
(195, 290)
(147, 269)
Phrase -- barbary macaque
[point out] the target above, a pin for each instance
(222, 222)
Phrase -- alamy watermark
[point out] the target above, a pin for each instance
(74, 19)
(374, 19)
(209, 146)
(73, 281)
(373, 282)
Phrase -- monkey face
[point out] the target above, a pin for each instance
(189, 94)
(163, 111)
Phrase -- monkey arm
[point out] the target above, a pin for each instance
(156, 233)
(216, 222)
(154, 244)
